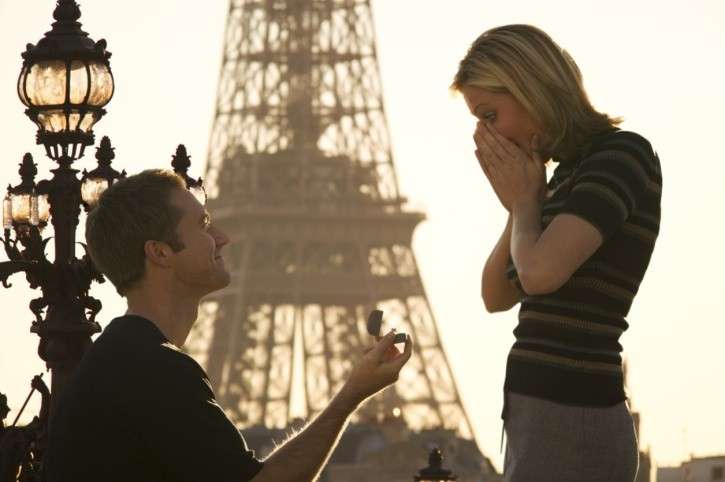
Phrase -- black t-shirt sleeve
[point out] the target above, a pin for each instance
(609, 183)
(187, 431)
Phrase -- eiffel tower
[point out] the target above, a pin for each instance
(300, 175)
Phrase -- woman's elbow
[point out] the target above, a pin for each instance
(542, 283)
(491, 306)
(497, 304)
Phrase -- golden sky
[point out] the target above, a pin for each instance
(658, 64)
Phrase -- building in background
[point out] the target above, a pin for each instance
(697, 469)
(644, 472)
(669, 474)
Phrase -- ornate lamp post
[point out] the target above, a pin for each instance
(65, 82)
(435, 471)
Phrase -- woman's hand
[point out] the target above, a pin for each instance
(515, 175)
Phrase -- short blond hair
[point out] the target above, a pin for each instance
(129, 213)
(524, 61)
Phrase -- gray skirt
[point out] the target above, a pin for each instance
(551, 442)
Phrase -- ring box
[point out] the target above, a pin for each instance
(375, 321)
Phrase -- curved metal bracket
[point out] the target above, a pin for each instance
(9, 268)
(89, 266)
(10, 246)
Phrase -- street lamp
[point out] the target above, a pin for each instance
(23, 205)
(98, 180)
(65, 82)
(435, 471)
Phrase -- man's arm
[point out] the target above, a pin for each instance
(302, 458)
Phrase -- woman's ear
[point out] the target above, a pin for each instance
(158, 253)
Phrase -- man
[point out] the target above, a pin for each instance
(138, 409)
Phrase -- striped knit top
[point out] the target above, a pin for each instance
(567, 342)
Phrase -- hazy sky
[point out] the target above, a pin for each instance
(657, 63)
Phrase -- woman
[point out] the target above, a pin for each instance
(573, 253)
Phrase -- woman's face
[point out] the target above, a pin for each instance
(504, 112)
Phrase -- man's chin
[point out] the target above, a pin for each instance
(223, 280)
(219, 282)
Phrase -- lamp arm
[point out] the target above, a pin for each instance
(9, 268)
(89, 267)
(10, 245)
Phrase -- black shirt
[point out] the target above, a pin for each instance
(567, 342)
(138, 409)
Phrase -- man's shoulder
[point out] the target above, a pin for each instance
(139, 345)
(128, 370)
(131, 329)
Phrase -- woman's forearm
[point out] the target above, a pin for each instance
(498, 293)
(525, 233)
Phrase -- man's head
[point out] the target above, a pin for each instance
(148, 227)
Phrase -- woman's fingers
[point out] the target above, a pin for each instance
(489, 158)
(487, 167)
(497, 143)
(484, 165)
(507, 147)
(535, 147)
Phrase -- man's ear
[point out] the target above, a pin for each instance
(158, 253)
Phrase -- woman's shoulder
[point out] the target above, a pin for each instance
(628, 141)
(626, 152)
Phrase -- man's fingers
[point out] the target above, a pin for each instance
(398, 362)
(391, 354)
(384, 344)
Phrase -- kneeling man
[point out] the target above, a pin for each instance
(139, 409)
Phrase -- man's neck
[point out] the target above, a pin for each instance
(173, 316)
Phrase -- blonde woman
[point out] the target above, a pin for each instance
(573, 253)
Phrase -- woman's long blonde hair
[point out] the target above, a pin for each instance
(525, 62)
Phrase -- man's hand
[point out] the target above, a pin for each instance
(378, 368)
(301, 459)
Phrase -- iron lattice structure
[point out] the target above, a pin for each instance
(301, 176)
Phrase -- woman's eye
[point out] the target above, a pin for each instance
(491, 116)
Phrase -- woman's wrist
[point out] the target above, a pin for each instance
(525, 204)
